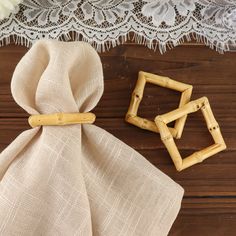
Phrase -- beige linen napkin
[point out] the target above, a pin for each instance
(76, 179)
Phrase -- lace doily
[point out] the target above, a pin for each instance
(107, 23)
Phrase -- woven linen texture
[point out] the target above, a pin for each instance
(76, 179)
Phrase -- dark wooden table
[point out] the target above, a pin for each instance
(209, 205)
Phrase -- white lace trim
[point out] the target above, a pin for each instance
(107, 23)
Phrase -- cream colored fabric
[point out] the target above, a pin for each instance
(76, 179)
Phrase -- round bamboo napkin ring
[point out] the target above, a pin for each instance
(61, 119)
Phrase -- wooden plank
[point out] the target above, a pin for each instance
(206, 217)
(209, 205)
(204, 222)
(210, 73)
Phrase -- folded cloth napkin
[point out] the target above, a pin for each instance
(76, 179)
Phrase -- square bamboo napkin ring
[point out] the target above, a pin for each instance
(167, 138)
(137, 95)
(61, 119)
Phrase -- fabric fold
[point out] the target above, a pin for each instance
(76, 179)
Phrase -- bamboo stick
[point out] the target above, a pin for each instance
(188, 108)
(134, 105)
(212, 124)
(140, 85)
(193, 106)
(61, 119)
(137, 95)
(198, 157)
(208, 114)
(142, 123)
(165, 82)
(146, 124)
(217, 136)
(169, 142)
(179, 123)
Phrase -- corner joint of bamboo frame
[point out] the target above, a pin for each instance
(141, 74)
(158, 119)
(189, 89)
(179, 165)
(179, 168)
(129, 116)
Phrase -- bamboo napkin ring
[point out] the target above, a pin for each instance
(167, 138)
(137, 95)
(61, 119)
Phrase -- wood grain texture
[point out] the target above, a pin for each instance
(209, 205)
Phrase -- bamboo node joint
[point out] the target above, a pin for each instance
(58, 119)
